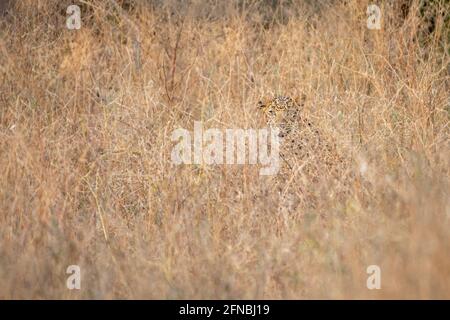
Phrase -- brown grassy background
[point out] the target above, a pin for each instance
(86, 178)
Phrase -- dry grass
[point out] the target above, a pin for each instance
(86, 178)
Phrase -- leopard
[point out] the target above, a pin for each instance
(297, 132)
(303, 147)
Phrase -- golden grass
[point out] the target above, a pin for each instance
(85, 123)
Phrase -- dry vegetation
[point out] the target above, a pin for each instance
(85, 123)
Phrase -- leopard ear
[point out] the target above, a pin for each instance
(300, 100)
(260, 104)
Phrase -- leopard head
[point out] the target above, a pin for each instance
(277, 108)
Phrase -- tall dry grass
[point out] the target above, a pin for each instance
(86, 178)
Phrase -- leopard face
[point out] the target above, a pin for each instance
(282, 112)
